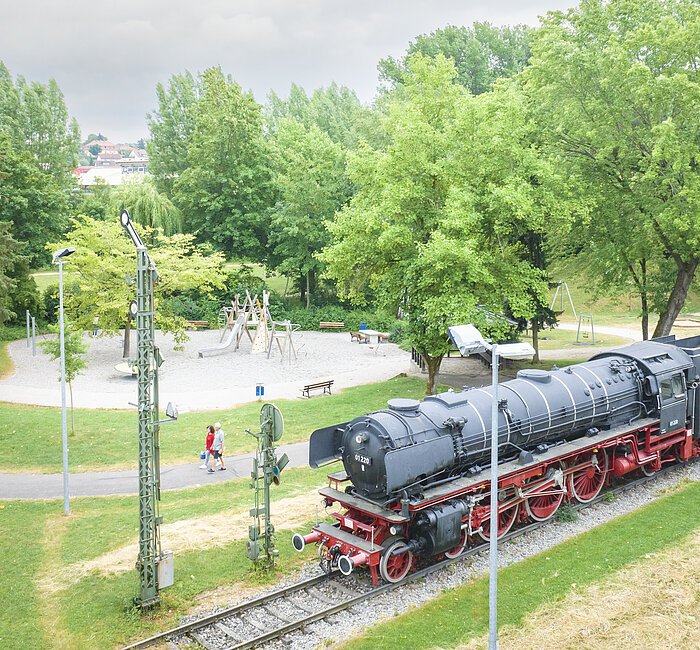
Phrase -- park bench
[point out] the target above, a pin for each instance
(354, 336)
(326, 385)
(196, 324)
(362, 337)
(383, 337)
(331, 325)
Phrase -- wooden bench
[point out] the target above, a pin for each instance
(330, 325)
(362, 337)
(354, 336)
(383, 337)
(326, 385)
(196, 324)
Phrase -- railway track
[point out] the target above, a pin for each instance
(276, 614)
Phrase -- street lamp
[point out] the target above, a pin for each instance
(59, 258)
(469, 340)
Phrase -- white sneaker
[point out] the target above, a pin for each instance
(203, 466)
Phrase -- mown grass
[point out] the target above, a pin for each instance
(6, 365)
(110, 522)
(106, 438)
(21, 549)
(559, 339)
(460, 615)
(97, 611)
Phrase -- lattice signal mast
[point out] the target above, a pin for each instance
(152, 576)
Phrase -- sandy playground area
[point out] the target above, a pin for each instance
(216, 381)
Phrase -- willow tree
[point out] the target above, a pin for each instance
(147, 206)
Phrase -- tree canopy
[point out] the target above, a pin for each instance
(616, 86)
(104, 256)
(310, 182)
(225, 189)
(431, 228)
(481, 54)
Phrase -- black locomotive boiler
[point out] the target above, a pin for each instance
(416, 475)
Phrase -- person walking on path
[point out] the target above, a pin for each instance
(218, 446)
(207, 447)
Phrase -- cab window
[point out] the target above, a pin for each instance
(672, 388)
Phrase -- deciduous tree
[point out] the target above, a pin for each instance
(224, 192)
(616, 87)
(171, 127)
(104, 256)
(481, 54)
(309, 179)
(423, 230)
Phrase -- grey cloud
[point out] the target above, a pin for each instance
(108, 56)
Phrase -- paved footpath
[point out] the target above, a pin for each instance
(173, 477)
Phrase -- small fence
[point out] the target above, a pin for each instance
(484, 357)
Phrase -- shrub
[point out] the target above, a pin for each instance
(309, 319)
(50, 303)
(194, 308)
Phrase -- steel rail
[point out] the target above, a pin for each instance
(181, 630)
(376, 591)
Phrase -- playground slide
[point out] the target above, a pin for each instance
(233, 336)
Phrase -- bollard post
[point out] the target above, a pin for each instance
(33, 336)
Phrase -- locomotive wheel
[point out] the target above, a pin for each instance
(506, 519)
(586, 484)
(395, 568)
(459, 549)
(541, 507)
(647, 470)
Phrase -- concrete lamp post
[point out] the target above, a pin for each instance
(59, 257)
(469, 340)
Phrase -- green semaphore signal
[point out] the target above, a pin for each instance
(266, 471)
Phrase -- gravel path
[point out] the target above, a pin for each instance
(348, 623)
(217, 381)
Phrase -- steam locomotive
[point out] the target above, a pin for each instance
(416, 477)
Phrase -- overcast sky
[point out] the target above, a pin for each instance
(107, 56)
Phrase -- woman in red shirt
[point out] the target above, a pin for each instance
(209, 442)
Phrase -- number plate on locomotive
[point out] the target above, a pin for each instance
(365, 460)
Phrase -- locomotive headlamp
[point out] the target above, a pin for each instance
(394, 530)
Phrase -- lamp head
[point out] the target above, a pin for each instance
(125, 221)
(62, 253)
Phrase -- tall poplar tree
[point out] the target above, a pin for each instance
(224, 192)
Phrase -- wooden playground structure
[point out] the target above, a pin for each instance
(252, 318)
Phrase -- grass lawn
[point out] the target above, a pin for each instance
(107, 438)
(46, 605)
(460, 615)
(276, 282)
(623, 309)
(558, 339)
(6, 365)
